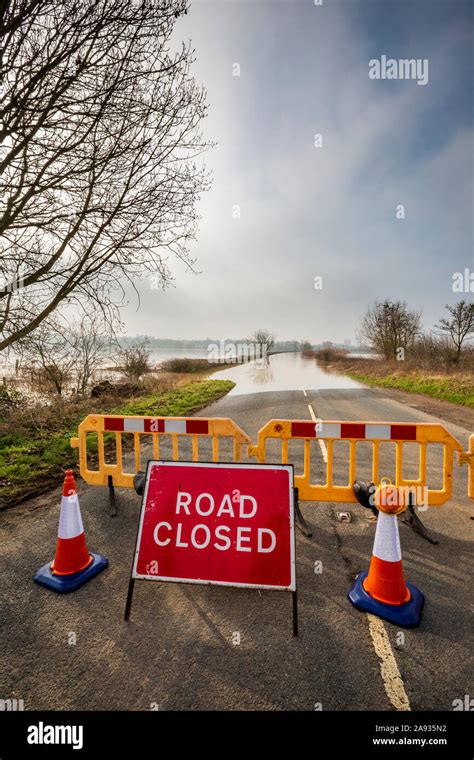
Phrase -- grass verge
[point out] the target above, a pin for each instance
(31, 464)
(453, 389)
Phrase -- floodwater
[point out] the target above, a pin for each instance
(283, 372)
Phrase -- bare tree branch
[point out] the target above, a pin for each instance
(99, 136)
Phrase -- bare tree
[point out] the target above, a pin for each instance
(264, 340)
(47, 356)
(88, 340)
(135, 359)
(459, 325)
(390, 328)
(432, 351)
(61, 352)
(99, 134)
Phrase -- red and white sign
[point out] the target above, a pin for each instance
(225, 524)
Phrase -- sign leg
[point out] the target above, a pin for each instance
(128, 606)
(113, 503)
(299, 519)
(295, 612)
(412, 519)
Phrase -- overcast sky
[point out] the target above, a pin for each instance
(327, 211)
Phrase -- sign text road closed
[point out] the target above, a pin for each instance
(229, 524)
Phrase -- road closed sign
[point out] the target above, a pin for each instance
(226, 524)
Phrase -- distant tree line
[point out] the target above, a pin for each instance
(394, 332)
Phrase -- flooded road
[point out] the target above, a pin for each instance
(283, 372)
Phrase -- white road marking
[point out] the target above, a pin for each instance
(322, 445)
(305, 394)
(392, 680)
(391, 677)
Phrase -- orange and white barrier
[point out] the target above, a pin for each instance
(357, 436)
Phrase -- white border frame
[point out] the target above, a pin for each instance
(237, 465)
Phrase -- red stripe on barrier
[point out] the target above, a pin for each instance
(303, 430)
(154, 425)
(113, 424)
(349, 430)
(407, 432)
(197, 427)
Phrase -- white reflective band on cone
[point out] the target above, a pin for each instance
(70, 521)
(387, 540)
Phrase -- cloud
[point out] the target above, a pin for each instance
(329, 211)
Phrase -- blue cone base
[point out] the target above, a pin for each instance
(406, 615)
(65, 583)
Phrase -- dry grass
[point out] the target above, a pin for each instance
(455, 385)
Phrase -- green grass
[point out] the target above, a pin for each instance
(32, 464)
(446, 388)
(179, 402)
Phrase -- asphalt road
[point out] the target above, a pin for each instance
(177, 651)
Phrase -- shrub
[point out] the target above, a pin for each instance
(9, 400)
(135, 360)
(185, 365)
(331, 354)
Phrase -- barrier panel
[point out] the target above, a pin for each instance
(109, 432)
(326, 433)
(108, 428)
(467, 457)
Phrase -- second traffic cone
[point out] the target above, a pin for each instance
(73, 564)
(383, 590)
(385, 580)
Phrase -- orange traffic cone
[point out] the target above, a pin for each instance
(73, 564)
(71, 549)
(385, 580)
(383, 590)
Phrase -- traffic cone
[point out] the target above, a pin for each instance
(383, 590)
(73, 564)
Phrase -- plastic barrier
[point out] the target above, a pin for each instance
(103, 471)
(467, 457)
(173, 429)
(326, 433)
